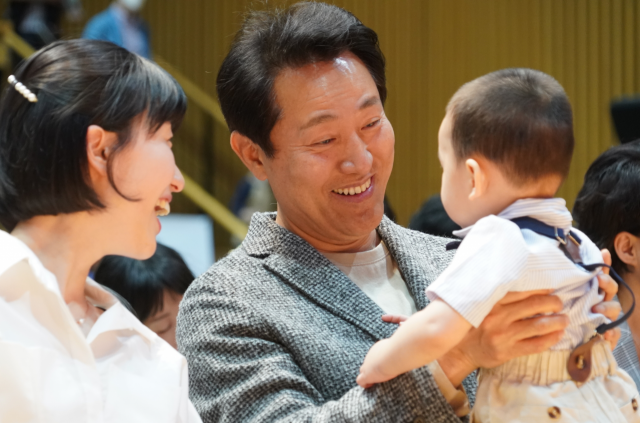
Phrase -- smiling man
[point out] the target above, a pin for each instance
(277, 330)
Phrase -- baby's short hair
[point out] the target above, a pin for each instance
(518, 118)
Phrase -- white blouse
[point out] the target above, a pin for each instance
(50, 372)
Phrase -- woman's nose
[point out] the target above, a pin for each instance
(177, 184)
(357, 158)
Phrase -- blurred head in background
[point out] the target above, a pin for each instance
(154, 287)
(608, 206)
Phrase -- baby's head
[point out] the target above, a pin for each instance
(506, 135)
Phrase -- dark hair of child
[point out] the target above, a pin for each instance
(143, 282)
(520, 119)
(609, 201)
(43, 156)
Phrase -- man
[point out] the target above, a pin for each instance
(277, 330)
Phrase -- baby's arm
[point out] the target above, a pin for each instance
(424, 337)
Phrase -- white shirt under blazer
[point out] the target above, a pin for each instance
(496, 257)
(50, 372)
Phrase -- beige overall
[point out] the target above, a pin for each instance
(538, 388)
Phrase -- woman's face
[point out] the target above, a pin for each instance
(145, 171)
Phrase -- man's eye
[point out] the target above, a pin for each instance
(325, 142)
(374, 123)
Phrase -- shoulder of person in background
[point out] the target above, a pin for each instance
(102, 26)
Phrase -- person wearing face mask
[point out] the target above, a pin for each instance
(82, 178)
(122, 25)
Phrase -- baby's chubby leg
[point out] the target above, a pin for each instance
(424, 337)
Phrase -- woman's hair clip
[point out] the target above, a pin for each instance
(19, 86)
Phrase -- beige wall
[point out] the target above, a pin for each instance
(432, 47)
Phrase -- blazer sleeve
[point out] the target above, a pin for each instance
(238, 373)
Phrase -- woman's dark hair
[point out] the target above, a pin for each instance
(270, 41)
(142, 282)
(44, 167)
(609, 201)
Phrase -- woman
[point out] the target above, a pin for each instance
(85, 167)
(608, 211)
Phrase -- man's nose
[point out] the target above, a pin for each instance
(357, 158)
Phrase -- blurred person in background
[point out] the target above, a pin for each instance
(608, 211)
(433, 219)
(82, 178)
(154, 287)
(122, 25)
(38, 21)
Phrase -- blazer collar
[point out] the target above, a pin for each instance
(314, 276)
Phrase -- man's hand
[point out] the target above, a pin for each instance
(509, 331)
(611, 309)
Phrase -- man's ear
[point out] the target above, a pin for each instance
(99, 147)
(478, 178)
(626, 246)
(250, 153)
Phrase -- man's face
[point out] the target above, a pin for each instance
(332, 136)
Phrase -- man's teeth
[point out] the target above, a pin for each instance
(163, 208)
(354, 190)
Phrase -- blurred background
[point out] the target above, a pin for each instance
(432, 47)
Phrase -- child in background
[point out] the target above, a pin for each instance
(154, 287)
(505, 146)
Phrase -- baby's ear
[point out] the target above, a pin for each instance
(478, 178)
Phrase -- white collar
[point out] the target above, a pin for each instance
(552, 211)
(116, 317)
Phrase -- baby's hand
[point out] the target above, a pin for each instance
(372, 370)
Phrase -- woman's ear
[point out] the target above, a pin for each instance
(99, 147)
(250, 153)
(478, 178)
(626, 246)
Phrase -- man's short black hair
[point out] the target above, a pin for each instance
(44, 168)
(609, 201)
(270, 41)
(518, 118)
(143, 282)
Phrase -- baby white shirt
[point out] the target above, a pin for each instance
(496, 257)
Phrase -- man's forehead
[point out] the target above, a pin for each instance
(306, 90)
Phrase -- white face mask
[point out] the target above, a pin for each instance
(132, 5)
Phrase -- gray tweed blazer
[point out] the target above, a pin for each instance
(274, 332)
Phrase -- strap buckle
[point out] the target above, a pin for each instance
(560, 237)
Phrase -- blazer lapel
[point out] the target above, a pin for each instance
(301, 266)
(413, 265)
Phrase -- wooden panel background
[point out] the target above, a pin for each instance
(432, 47)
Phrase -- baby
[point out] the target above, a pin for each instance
(505, 146)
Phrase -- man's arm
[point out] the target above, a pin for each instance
(238, 373)
(423, 338)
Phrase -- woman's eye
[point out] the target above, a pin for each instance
(374, 123)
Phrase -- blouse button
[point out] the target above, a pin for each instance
(634, 404)
(554, 412)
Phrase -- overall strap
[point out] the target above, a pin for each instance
(566, 241)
